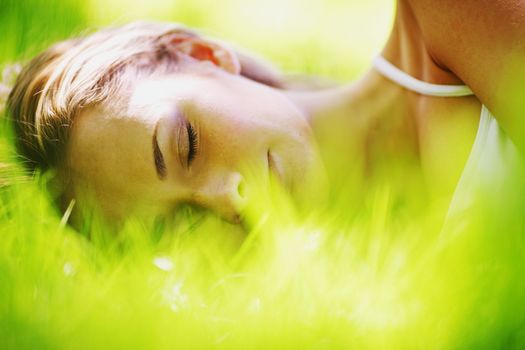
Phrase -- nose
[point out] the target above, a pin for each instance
(225, 196)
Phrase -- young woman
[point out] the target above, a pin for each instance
(148, 116)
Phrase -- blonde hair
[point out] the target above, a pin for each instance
(81, 72)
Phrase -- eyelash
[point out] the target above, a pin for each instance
(192, 142)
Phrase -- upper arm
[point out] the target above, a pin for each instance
(483, 43)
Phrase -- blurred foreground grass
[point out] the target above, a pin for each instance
(336, 279)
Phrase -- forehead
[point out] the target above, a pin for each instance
(206, 87)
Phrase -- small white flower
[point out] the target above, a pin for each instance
(69, 269)
(163, 263)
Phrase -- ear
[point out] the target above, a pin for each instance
(234, 61)
(205, 50)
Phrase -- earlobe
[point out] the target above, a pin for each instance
(204, 50)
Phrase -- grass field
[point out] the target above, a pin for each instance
(338, 278)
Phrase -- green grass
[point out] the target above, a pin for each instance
(371, 277)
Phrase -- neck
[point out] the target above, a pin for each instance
(406, 49)
(361, 128)
(371, 121)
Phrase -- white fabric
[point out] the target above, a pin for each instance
(395, 74)
(492, 157)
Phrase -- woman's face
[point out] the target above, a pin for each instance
(196, 136)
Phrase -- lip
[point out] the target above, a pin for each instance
(275, 167)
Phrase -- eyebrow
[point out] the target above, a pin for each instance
(160, 165)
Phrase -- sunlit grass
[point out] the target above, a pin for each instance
(371, 281)
(355, 272)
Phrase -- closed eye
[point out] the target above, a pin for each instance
(185, 142)
(160, 165)
(192, 142)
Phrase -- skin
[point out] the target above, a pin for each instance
(477, 43)
(242, 127)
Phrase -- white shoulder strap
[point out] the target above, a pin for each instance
(403, 79)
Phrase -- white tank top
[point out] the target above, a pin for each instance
(493, 160)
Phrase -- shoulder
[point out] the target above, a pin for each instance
(483, 43)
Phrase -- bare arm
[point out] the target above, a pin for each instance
(483, 43)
